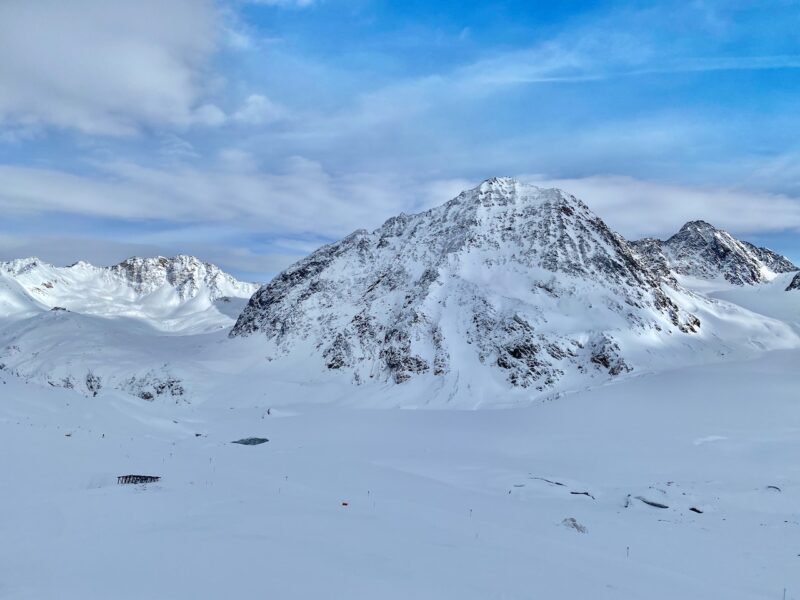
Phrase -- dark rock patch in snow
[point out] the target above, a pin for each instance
(251, 441)
(571, 523)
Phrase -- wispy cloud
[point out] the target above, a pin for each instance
(299, 199)
(105, 67)
(639, 208)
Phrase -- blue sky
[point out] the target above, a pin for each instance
(250, 132)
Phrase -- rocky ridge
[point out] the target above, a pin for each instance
(701, 250)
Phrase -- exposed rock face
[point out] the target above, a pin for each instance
(701, 250)
(650, 253)
(524, 281)
(186, 274)
(794, 284)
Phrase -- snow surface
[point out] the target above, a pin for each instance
(440, 504)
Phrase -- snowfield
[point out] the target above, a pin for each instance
(499, 398)
(440, 503)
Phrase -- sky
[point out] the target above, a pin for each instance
(249, 133)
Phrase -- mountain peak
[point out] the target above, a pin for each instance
(700, 229)
(698, 225)
(498, 183)
(186, 273)
(701, 250)
(19, 266)
(522, 280)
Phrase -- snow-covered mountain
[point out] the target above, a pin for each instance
(794, 284)
(172, 294)
(703, 251)
(506, 281)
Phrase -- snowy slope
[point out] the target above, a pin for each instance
(180, 294)
(703, 251)
(15, 301)
(93, 355)
(769, 298)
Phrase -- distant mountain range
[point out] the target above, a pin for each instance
(169, 293)
(507, 288)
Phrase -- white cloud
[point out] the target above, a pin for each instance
(304, 198)
(300, 198)
(258, 110)
(105, 67)
(236, 159)
(638, 208)
(284, 3)
(259, 222)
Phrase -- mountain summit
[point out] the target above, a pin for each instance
(701, 250)
(524, 282)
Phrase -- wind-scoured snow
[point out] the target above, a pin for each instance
(506, 294)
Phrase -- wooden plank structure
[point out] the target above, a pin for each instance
(123, 479)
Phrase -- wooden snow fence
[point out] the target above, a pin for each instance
(126, 479)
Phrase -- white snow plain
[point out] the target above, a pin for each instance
(440, 503)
